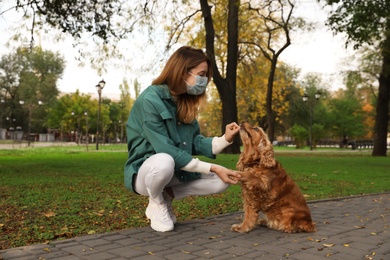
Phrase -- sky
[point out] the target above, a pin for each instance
(318, 52)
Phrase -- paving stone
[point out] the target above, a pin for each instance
(64, 243)
(114, 237)
(127, 252)
(217, 245)
(208, 253)
(148, 257)
(128, 241)
(52, 254)
(101, 256)
(237, 250)
(107, 247)
(181, 256)
(69, 257)
(78, 250)
(95, 242)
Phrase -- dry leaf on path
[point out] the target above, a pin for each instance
(328, 245)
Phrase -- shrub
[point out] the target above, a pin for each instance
(300, 134)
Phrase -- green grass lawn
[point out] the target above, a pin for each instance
(63, 192)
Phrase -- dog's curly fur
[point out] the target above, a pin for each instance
(268, 189)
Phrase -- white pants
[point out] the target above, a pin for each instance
(157, 173)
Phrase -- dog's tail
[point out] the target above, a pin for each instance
(305, 225)
(302, 222)
(308, 227)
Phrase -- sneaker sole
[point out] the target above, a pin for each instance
(157, 227)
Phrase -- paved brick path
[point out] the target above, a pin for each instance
(349, 228)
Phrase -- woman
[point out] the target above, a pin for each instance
(163, 135)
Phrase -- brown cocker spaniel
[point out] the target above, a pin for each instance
(268, 189)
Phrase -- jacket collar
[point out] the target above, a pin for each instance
(163, 91)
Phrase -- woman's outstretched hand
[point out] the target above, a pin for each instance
(226, 175)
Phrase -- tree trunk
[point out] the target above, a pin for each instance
(226, 86)
(382, 109)
(283, 23)
(270, 113)
(229, 115)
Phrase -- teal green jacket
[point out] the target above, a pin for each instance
(152, 128)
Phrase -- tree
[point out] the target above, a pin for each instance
(68, 115)
(360, 92)
(347, 117)
(297, 112)
(115, 112)
(370, 64)
(125, 103)
(267, 40)
(11, 66)
(252, 86)
(276, 17)
(250, 96)
(77, 17)
(226, 85)
(30, 78)
(368, 22)
(97, 27)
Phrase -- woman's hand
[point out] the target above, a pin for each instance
(226, 175)
(230, 131)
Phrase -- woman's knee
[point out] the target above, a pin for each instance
(164, 163)
(221, 187)
(218, 186)
(157, 169)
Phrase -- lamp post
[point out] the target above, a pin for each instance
(99, 88)
(86, 129)
(305, 98)
(71, 132)
(21, 102)
(3, 132)
(2, 100)
(121, 136)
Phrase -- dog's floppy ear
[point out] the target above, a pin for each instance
(267, 156)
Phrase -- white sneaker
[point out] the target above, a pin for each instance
(158, 214)
(168, 199)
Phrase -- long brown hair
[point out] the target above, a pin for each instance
(173, 74)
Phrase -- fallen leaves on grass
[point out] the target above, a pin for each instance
(49, 214)
(100, 213)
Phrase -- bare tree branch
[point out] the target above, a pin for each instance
(177, 31)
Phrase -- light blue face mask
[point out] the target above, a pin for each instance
(199, 87)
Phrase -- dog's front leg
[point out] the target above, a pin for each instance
(250, 219)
